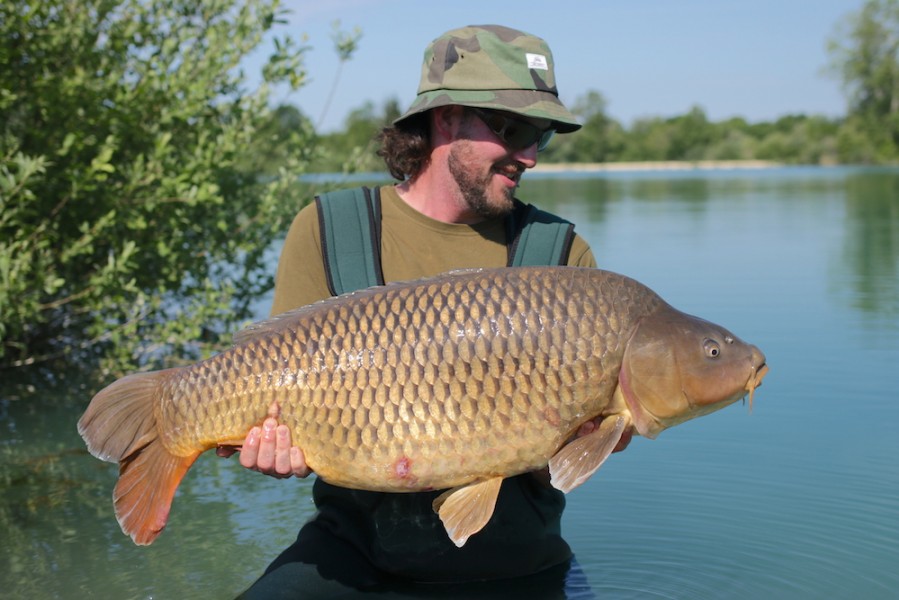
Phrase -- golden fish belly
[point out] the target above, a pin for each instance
(414, 387)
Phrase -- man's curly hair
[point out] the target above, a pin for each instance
(406, 147)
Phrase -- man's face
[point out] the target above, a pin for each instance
(485, 169)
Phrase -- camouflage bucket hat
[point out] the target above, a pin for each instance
(493, 67)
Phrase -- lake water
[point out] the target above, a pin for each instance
(798, 498)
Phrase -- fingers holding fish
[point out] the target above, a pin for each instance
(268, 450)
(298, 463)
(288, 459)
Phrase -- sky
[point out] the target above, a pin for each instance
(756, 59)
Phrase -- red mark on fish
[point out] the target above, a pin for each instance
(402, 469)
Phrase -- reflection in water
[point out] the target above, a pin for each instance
(871, 251)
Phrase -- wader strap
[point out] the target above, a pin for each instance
(538, 238)
(350, 224)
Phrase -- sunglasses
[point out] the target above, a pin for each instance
(514, 133)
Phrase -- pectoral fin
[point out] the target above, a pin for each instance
(465, 510)
(575, 462)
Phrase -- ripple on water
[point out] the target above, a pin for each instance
(641, 528)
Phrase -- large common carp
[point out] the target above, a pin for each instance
(453, 382)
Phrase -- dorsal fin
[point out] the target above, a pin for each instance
(285, 320)
(279, 322)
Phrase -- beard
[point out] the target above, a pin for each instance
(475, 186)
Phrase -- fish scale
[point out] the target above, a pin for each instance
(450, 382)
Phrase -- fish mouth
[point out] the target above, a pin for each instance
(755, 380)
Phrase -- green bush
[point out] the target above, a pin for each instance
(130, 224)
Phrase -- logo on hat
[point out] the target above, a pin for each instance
(537, 61)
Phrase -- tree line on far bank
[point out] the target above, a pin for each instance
(791, 139)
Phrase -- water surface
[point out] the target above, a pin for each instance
(798, 498)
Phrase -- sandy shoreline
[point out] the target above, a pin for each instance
(656, 165)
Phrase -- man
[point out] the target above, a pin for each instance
(486, 104)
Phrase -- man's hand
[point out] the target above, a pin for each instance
(268, 449)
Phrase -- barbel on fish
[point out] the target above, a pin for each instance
(449, 383)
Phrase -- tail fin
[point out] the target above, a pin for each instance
(120, 426)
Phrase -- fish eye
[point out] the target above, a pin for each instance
(711, 347)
